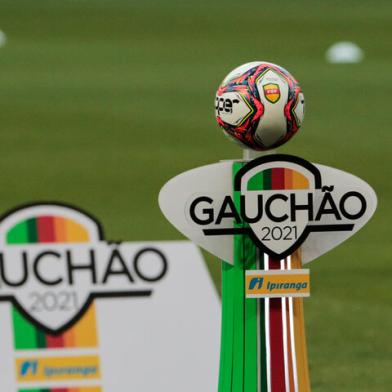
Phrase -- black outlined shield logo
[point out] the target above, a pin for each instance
(278, 201)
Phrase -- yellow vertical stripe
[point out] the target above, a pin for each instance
(289, 349)
(76, 232)
(300, 181)
(85, 331)
(300, 338)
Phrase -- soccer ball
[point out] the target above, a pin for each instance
(259, 105)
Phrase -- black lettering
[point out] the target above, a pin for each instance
(6, 279)
(221, 105)
(324, 210)
(228, 106)
(122, 267)
(225, 105)
(259, 214)
(161, 257)
(90, 267)
(207, 211)
(303, 207)
(268, 211)
(38, 272)
(342, 205)
(231, 213)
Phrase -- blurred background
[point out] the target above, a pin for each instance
(103, 101)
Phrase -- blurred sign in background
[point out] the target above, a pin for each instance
(103, 101)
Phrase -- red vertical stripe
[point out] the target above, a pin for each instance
(46, 234)
(278, 383)
(45, 227)
(278, 178)
(60, 390)
(289, 342)
(54, 341)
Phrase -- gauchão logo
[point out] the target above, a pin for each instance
(278, 200)
(54, 261)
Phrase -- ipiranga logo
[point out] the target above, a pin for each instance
(54, 262)
(277, 283)
(84, 367)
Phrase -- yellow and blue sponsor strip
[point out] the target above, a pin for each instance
(277, 283)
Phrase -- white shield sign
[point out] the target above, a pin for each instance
(281, 201)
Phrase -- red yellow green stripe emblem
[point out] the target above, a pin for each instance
(51, 229)
(278, 178)
(47, 229)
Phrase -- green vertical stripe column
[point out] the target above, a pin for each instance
(255, 182)
(19, 234)
(239, 362)
(34, 390)
(32, 230)
(25, 232)
(262, 338)
(267, 176)
(250, 321)
(226, 358)
(26, 335)
(238, 299)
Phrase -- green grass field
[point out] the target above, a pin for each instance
(102, 102)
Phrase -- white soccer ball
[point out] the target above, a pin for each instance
(260, 105)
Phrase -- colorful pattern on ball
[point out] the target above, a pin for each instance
(260, 107)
